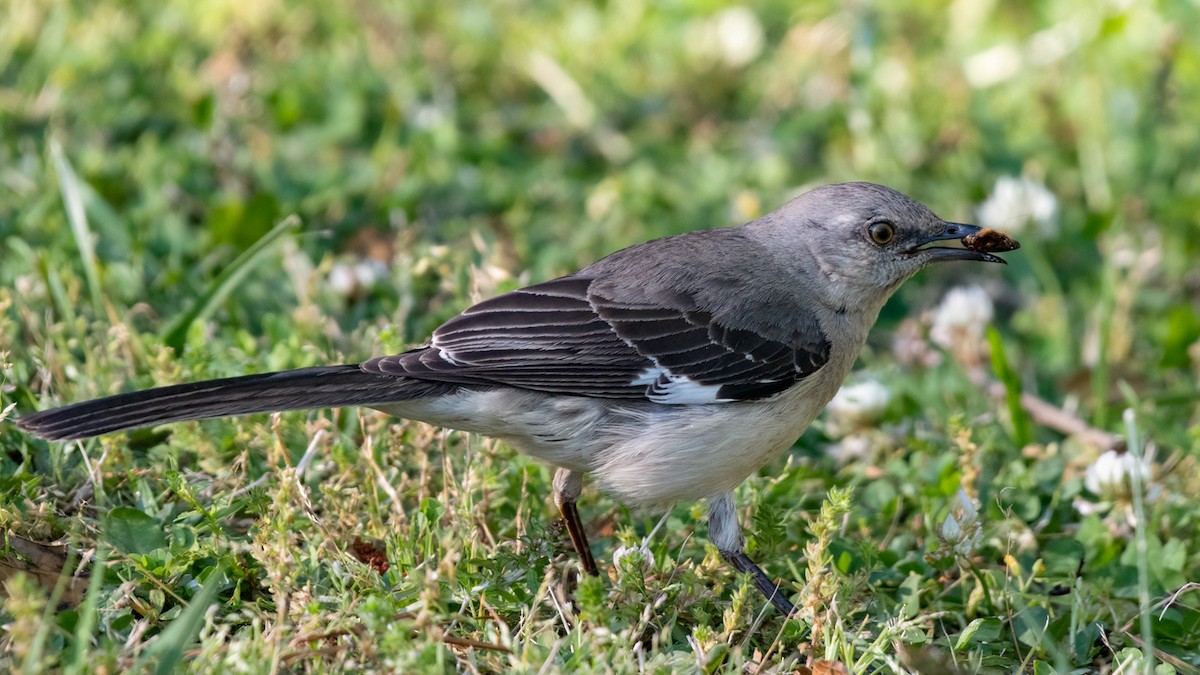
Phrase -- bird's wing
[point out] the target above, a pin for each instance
(564, 336)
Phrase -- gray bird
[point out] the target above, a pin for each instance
(670, 370)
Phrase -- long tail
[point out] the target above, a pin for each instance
(320, 387)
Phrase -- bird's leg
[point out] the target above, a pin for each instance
(726, 535)
(567, 486)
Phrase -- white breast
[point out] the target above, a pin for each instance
(691, 452)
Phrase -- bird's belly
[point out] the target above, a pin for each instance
(559, 430)
(701, 451)
(643, 454)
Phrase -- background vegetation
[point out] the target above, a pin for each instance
(437, 153)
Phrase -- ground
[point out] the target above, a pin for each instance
(1006, 486)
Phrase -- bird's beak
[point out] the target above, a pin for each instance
(953, 231)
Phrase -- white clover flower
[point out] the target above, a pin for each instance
(851, 417)
(911, 347)
(739, 34)
(732, 37)
(628, 558)
(950, 530)
(961, 531)
(354, 279)
(343, 280)
(1109, 477)
(852, 447)
(857, 405)
(961, 317)
(369, 272)
(993, 65)
(1017, 203)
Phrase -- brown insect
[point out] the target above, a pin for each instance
(988, 240)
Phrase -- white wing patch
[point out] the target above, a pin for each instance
(647, 377)
(677, 390)
(445, 356)
(663, 386)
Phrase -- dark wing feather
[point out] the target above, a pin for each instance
(564, 337)
(544, 337)
(692, 347)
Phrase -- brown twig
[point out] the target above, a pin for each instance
(296, 652)
(1053, 417)
(1049, 415)
(474, 644)
(1179, 664)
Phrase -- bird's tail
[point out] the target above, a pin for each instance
(320, 387)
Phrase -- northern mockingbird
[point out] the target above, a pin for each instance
(670, 370)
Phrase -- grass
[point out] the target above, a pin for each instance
(152, 157)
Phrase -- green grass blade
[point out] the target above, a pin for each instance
(176, 333)
(72, 194)
(88, 612)
(169, 646)
(35, 657)
(20, 252)
(1133, 440)
(1022, 433)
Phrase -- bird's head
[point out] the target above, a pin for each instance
(864, 240)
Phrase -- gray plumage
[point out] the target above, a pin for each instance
(670, 370)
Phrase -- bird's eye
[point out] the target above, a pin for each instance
(882, 232)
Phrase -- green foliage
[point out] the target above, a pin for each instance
(152, 155)
(132, 531)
